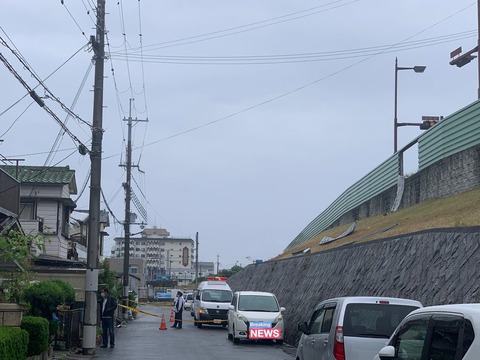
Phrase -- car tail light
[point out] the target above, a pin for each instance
(338, 346)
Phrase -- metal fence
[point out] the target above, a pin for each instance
(70, 328)
(455, 133)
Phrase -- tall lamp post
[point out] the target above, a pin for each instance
(417, 69)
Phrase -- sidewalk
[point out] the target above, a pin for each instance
(139, 336)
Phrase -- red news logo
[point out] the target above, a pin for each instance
(264, 333)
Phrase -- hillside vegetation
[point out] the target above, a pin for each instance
(455, 211)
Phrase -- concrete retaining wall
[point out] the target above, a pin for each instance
(436, 267)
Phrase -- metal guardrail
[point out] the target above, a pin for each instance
(455, 133)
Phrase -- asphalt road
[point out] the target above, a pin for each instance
(141, 339)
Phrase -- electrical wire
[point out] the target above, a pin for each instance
(74, 20)
(60, 134)
(299, 57)
(40, 102)
(37, 78)
(108, 207)
(18, 117)
(248, 27)
(275, 98)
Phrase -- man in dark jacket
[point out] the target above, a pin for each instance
(108, 305)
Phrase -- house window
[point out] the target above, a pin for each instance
(66, 220)
(27, 211)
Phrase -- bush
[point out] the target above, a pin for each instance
(38, 331)
(45, 296)
(13, 343)
(68, 291)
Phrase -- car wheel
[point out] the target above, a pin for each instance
(199, 324)
(195, 321)
(234, 338)
(230, 337)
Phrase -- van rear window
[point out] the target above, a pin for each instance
(373, 320)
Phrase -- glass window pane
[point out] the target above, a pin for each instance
(410, 340)
(316, 322)
(327, 320)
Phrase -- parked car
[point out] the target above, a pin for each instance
(255, 315)
(187, 305)
(445, 332)
(351, 328)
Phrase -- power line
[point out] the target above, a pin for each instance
(298, 57)
(83, 149)
(36, 77)
(251, 26)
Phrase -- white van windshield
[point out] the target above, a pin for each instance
(373, 320)
(257, 303)
(220, 296)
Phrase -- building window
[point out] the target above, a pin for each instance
(65, 220)
(27, 210)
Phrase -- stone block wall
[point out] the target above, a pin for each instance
(438, 266)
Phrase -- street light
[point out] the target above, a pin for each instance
(417, 69)
(460, 59)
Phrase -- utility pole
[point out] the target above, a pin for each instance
(218, 264)
(91, 278)
(126, 223)
(196, 259)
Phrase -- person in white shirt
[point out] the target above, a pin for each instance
(178, 309)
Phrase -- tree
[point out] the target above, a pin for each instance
(108, 278)
(232, 271)
(16, 252)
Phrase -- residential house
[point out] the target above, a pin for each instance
(9, 203)
(137, 270)
(79, 224)
(45, 203)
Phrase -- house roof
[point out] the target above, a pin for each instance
(43, 175)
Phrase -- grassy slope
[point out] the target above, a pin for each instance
(459, 210)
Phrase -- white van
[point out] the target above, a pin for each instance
(351, 328)
(210, 303)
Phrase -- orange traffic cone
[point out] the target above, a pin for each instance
(163, 324)
(172, 317)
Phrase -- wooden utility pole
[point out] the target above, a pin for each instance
(91, 279)
(126, 223)
(196, 259)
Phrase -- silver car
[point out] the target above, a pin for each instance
(351, 328)
(436, 332)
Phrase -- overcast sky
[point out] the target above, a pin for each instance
(261, 113)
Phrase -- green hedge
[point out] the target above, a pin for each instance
(13, 343)
(37, 328)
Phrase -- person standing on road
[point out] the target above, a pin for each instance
(178, 309)
(108, 306)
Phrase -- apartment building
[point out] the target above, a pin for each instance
(165, 256)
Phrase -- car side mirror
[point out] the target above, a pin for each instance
(387, 353)
(197, 297)
(302, 326)
(282, 309)
(231, 307)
